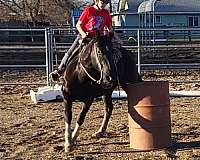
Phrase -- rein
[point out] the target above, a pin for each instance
(99, 65)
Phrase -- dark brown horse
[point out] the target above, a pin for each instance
(95, 71)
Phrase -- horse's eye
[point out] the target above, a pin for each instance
(109, 78)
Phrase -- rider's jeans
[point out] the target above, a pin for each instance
(69, 52)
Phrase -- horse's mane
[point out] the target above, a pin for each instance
(86, 49)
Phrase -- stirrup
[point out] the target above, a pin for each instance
(54, 75)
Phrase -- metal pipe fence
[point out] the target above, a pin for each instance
(53, 43)
(153, 45)
(47, 46)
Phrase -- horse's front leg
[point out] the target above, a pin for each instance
(108, 112)
(68, 118)
(81, 119)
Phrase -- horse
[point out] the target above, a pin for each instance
(95, 71)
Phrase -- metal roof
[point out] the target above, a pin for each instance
(146, 6)
(178, 6)
(167, 5)
(143, 7)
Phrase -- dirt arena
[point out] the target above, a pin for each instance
(31, 131)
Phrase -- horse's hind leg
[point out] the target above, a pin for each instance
(81, 119)
(108, 112)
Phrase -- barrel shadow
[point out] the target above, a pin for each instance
(187, 145)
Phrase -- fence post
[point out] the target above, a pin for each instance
(138, 47)
(49, 52)
(46, 46)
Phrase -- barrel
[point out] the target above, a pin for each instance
(149, 115)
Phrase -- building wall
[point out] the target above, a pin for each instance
(176, 20)
(172, 20)
(167, 20)
(132, 20)
(126, 20)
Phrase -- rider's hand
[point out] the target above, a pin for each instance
(84, 35)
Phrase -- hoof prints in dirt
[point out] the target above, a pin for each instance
(30, 131)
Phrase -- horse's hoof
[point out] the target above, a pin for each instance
(98, 135)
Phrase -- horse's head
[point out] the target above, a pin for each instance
(97, 60)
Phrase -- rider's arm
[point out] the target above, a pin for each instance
(80, 30)
(108, 23)
(110, 29)
(82, 20)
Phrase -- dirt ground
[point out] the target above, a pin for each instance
(31, 131)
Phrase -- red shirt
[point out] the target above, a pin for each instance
(93, 19)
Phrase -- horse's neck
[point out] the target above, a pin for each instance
(85, 51)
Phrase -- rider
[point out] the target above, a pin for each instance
(93, 18)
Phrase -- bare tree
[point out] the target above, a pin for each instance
(31, 9)
(67, 6)
(24, 9)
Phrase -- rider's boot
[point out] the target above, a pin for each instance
(56, 74)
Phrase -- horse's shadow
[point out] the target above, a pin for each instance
(175, 144)
(170, 151)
